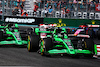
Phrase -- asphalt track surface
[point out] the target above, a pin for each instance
(15, 56)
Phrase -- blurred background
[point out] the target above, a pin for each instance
(71, 9)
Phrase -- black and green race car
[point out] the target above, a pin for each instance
(58, 41)
(9, 35)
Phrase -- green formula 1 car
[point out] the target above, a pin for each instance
(60, 43)
(57, 41)
(9, 35)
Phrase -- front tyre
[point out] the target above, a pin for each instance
(46, 45)
(33, 43)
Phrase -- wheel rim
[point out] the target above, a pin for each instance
(85, 45)
(29, 43)
(42, 47)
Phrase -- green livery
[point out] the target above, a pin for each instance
(57, 41)
(60, 43)
(9, 35)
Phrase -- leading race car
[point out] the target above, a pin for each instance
(9, 35)
(58, 41)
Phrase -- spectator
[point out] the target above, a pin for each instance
(75, 1)
(0, 11)
(62, 12)
(5, 3)
(55, 4)
(46, 5)
(51, 2)
(39, 3)
(23, 1)
(67, 11)
(46, 12)
(18, 1)
(63, 4)
(50, 11)
(59, 5)
(21, 7)
(0, 3)
(16, 10)
(91, 5)
(15, 3)
(35, 7)
(70, 1)
(94, 5)
(48, 1)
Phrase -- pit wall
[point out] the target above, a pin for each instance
(70, 22)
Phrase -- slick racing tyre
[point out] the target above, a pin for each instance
(1, 35)
(91, 33)
(47, 45)
(89, 44)
(98, 34)
(33, 43)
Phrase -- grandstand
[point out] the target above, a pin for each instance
(70, 9)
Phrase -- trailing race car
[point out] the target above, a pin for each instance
(58, 41)
(10, 35)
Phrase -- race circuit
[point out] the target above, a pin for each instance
(19, 56)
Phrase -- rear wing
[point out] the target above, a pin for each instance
(94, 26)
(46, 27)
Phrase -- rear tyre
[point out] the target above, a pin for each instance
(91, 33)
(89, 44)
(98, 34)
(33, 43)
